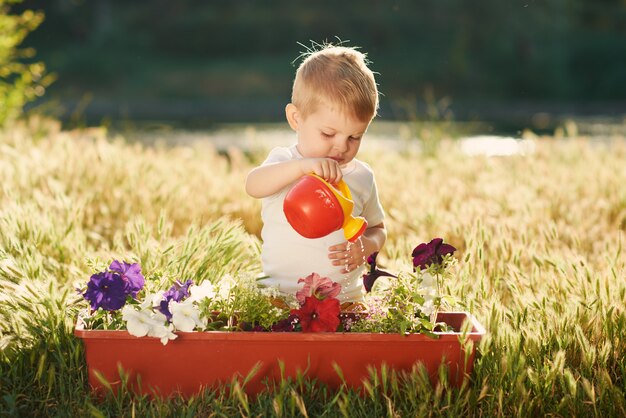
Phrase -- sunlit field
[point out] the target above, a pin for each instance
(541, 264)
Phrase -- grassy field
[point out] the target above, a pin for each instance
(541, 264)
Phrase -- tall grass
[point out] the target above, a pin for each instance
(540, 241)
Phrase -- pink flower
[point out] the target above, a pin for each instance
(319, 287)
(318, 315)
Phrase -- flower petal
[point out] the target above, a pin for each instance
(319, 315)
(370, 278)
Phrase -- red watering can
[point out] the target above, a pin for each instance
(315, 208)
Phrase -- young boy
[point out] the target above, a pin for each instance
(334, 99)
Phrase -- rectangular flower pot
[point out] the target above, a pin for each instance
(209, 359)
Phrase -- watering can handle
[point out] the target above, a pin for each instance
(341, 187)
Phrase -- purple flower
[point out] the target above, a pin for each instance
(177, 293)
(371, 260)
(431, 253)
(131, 274)
(286, 325)
(106, 290)
(374, 273)
(348, 319)
(164, 308)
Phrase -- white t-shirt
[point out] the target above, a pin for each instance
(287, 256)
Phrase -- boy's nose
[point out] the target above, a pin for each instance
(341, 145)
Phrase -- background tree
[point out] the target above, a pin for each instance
(21, 79)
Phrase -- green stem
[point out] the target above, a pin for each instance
(438, 299)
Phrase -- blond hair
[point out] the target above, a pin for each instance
(339, 75)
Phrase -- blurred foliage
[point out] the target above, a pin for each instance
(21, 79)
(486, 50)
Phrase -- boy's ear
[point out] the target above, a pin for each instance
(293, 116)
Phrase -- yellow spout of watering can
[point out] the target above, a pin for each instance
(353, 227)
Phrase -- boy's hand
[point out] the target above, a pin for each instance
(349, 255)
(326, 168)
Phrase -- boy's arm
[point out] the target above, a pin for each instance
(268, 179)
(373, 239)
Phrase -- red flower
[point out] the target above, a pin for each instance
(318, 315)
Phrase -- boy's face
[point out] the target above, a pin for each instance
(327, 133)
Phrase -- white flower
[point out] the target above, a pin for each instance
(226, 283)
(185, 316)
(138, 323)
(151, 301)
(428, 281)
(270, 292)
(428, 307)
(163, 331)
(204, 290)
(141, 322)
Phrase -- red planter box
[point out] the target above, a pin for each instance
(210, 359)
